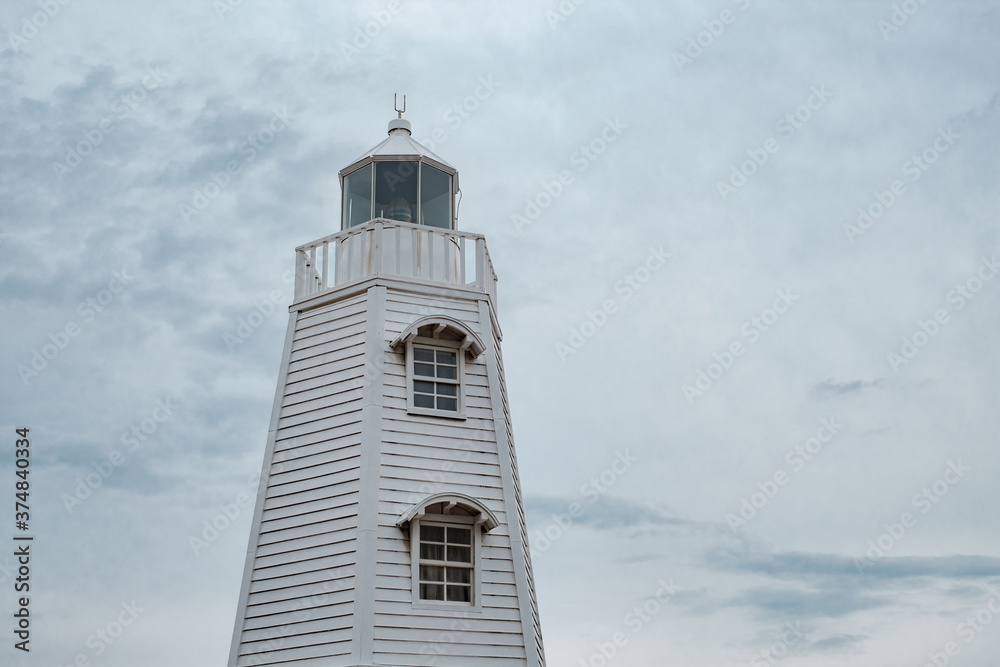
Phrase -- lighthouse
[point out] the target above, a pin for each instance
(389, 525)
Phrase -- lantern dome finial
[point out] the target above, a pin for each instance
(399, 123)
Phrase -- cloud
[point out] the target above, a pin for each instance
(824, 601)
(810, 566)
(831, 387)
(837, 644)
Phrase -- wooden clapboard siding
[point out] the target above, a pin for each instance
(538, 647)
(330, 582)
(300, 597)
(425, 455)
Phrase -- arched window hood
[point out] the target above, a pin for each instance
(447, 502)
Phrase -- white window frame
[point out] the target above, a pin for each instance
(411, 377)
(477, 571)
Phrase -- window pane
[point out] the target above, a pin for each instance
(459, 536)
(432, 533)
(421, 401)
(423, 387)
(459, 554)
(447, 404)
(431, 573)
(423, 369)
(396, 191)
(421, 354)
(459, 575)
(432, 551)
(357, 197)
(444, 389)
(446, 358)
(432, 591)
(435, 197)
(447, 372)
(459, 594)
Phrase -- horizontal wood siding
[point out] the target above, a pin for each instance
(300, 607)
(427, 455)
(522, 521)
(308, 585)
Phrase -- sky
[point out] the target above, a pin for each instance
(747, 256)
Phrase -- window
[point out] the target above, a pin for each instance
(396, 191)
(446, 542)
(445, 563)
(358, 197)
(435, 197)
(434, 372)
(404, 190)
(435, 378)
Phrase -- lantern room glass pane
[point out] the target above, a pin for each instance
(357, 197)
(435, 197)
(396, 191)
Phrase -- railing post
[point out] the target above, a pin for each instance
(377, 249)
(300, 274)
(326, 266)
(461, 278)
(481, 266)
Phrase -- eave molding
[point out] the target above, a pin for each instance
(483, 516)
(470, 340)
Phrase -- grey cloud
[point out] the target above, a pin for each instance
(837, 644)
(831, 387)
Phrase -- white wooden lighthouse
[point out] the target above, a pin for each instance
(389, 527)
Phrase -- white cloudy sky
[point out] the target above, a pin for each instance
(682, 127)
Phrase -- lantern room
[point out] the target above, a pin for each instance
(399, 180)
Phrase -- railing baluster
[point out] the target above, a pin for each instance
(481, 264)
(377, 247)
(326, 266)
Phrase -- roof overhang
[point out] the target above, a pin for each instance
(400, 146)
(483, 516)
(469, 340)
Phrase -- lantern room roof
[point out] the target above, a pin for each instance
(400, 145)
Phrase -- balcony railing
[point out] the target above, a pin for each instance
(395, 249)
